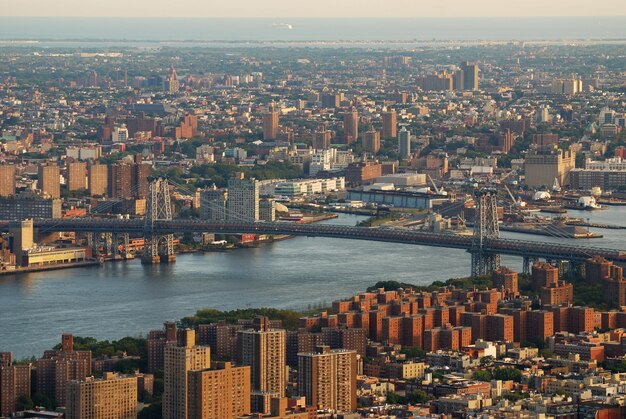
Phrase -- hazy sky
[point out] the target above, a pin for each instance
(313, 8)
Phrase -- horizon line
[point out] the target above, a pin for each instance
(314, 17)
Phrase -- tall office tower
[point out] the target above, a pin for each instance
(243, 199)
(172, 85)
(270, 124)
(22, 232)
(371, 141)
(113, 396)
(458, 80)
(222, 392)
(49, 180)
(98, 179)
(263, 349)
(141, 172)
(213, 204)
(179, 361)
(327, 378)
(56, 368)
(156, 343)
(404, 143)
(350, 126)
(14, 383)
(390, 124)
(7, 180)
(120, 178)
(331, 100)
(470, 75)
(76, 178)
(321, 140)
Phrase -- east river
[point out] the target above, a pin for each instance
(129, 299)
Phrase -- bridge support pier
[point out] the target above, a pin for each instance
(484, 263)
(485, 229)
(158, 248)
(528, 264)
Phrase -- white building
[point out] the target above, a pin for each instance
(120, 134)
(310, 186)
(243, 199)
(331, 159)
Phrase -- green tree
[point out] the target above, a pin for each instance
(153, 411)
(394, 398)
(482, 375)
(24, 402)
(43, 400)
(506, 374)
(419, 396)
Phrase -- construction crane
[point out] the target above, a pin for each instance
(518, 202)
(437, 190)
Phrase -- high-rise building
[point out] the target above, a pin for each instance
(267, 210)
(470, 75)
(76, 178)
(49, 180)
(371, 141)
(179, 361)
(22, 232)
(213, 204)
(141, 172)
(331, 100)
(172, 85)
(98, 179)
(321, 140)
(505, 278)
(222, 392)
(120, 180)
(543, 168)
(390, 124)
(188, 127)
(404, 143)
(327, 378)
(546, 141)
(113, 396)
(14, 383)
(350, 126)
(56, 368)
(156, 343)
(263, 349)
(436, 82)
(270, 124)
(119, 134)
(243, 199)
(7, 180)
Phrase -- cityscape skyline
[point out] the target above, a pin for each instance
(313, 218)
(321, 9)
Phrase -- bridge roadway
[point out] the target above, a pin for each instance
(523, 248)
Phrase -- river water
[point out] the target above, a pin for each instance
(129, 299)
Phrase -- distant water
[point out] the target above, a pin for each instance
(233, 30)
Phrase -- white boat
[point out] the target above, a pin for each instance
(587, 202)
(287, 26)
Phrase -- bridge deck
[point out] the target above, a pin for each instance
(555, 251)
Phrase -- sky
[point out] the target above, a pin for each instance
(312, 8)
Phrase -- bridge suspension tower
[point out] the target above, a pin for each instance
(158, 248)
(485, 229)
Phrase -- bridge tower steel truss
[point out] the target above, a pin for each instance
(158, 248)
(485, 229)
